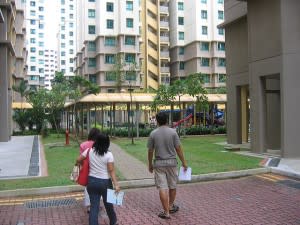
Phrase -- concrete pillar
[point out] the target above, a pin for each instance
(244, 113)
(5, 101)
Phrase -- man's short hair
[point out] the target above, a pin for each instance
(162, 118)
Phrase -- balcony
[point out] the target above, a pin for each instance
(164, 24)
(165, 69)
(164, 9)
(164, 39)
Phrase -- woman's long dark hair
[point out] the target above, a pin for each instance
(101, 144)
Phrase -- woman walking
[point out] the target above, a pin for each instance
(101, 177)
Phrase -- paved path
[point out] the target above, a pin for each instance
(15, 156)
(130, 167)
(263, 199)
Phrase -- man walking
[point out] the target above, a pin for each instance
(164, 143)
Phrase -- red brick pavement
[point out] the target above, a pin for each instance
(250, 200)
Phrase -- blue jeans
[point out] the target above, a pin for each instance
(96, 188)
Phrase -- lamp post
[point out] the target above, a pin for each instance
(130, 93)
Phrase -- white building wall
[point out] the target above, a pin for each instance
(35, 41)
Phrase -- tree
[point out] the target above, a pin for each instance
(77, 87)
(195, 82)
(37, 99)
(20, 115)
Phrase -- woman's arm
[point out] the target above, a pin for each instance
(111, 171)
(79, 160)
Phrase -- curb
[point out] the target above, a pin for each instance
(133, 183)
(285, 173)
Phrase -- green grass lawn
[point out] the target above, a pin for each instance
(201, 152)
(60, 160)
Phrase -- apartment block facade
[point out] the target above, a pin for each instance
(263, 55)
(109, 35)
(12, 60)
(35, 24)
(196, 44)
(66, 36)
(50, 66)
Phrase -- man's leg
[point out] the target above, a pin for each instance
(172, 196)
(164, 198)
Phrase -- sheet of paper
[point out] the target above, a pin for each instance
(185, 175)
(115, 198)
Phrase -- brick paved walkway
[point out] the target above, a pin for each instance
(250, 200)
(130, 167)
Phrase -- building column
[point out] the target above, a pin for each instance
(5, 102)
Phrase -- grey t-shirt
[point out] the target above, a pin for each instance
(163, 140)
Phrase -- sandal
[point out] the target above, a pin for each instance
(174, 208)
(164, 215)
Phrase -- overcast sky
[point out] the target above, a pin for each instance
(51, 23)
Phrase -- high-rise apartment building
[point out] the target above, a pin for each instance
(196, 44)
(50, 66)
(35, 20)
(13, 55)
(155, 31)
(109, 35)
(66, 36)
(181, 38)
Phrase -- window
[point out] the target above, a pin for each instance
(181, 65)
(62, 36)
(220, 15)
(221, 1)
(32, 31)
(204, 1)
(63, 45)
(32, 22)
(62, 2)
(71, 42)
(129, 5)
(180, 21)
(41, 26)
(129, 40)
(204, 29)
(63, 53)
(110, 41)
(71, 25)
(32, 3)
(93, 78)
(109, 59)
(71, 51)
(222, 78)
(71, 7)
(221, 46)
(92, 62)
(32, 49)
(71, 33)
(92, 0)
(71, 60)
(181, 50)
(32, 59)
(130, 76)
(203, 14)
(71, 16)
(181, 35)
(41, 35)
(41, 52)
(91, 46)
(91, 13)
(92, 29)
(109, 24)
(129, 22)
(206, 78)
(32, 13)
(180, 6)
(63, 62)
(221, 31)
(41, 9)
(129, 58)
(109, 7)
(32, 68)
(205, 62)
(62, 10)
(222, 62)
(204, 46)
(110, 90)
(110, 76)
(32, 40)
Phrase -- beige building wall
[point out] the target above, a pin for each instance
(262, 51)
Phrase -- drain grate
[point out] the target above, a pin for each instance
(290, 183)
(50, 203)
